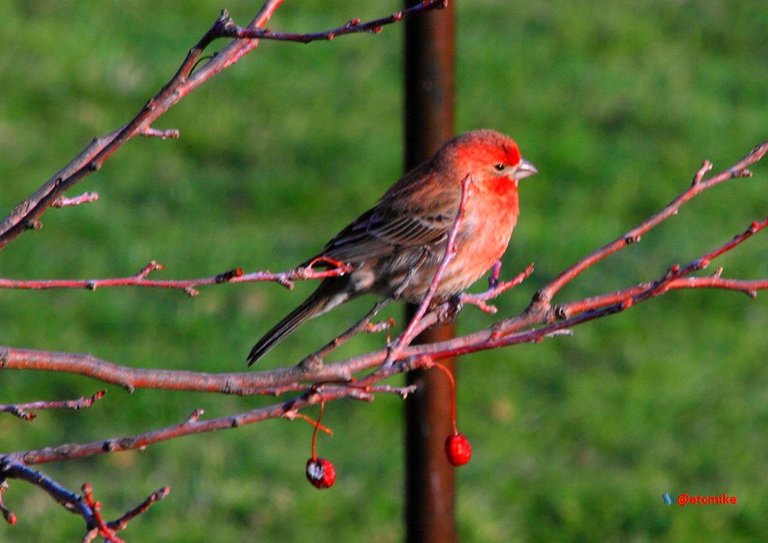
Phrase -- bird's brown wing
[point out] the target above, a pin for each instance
(377, 234)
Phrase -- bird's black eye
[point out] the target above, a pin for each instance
(499, 167)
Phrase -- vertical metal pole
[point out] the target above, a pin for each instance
(429, 104)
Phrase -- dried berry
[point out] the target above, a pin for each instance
(321, 472)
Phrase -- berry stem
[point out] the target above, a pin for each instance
(448, 374)
(317, 427)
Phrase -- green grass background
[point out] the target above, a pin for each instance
(575, 439)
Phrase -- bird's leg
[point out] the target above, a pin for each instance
(314, 361)
(449, 310)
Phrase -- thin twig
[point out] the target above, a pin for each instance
(699, 185)
(315, 359)
(354, 26)
(189, 286)
(187, 78)
(25, 411)
(409, 333)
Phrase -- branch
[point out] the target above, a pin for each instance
(354, 26)
(358, 377)
(698, 186)
(531, 325)
(192, 425)
(25, 411)
(540, 320)
(410, 333)
(86, 505)
(189, 286)
(188, 77)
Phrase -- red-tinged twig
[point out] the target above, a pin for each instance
(677, 279)
(750, 287)
(85, 505)
(410, 333)
(354, 26)
(699, 185)
(496, 289)
(99, 527)
(25, 411)
(404, 359)
(122, 522)
(293, 415)
(281, 380)
(504, 333)
(575, 313)
(8, 515)
(676, 273)
(140, 441)
(189, 286)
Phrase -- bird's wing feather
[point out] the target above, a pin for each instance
(416, 211)
(376, 235)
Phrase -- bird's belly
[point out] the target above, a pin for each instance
(474, 257)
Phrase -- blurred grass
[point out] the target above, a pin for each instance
(575, 438)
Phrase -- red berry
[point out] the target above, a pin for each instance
(458, 449)
(321, 472)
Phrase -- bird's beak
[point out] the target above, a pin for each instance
(524, 169)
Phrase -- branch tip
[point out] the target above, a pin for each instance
(706, 167)
(195, 416)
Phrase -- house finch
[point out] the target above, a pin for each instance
(396, 247)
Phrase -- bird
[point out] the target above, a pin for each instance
(395, 248)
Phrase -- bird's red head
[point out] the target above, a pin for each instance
(487, 153)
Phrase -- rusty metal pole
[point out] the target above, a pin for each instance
(429, 106)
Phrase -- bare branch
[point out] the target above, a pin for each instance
(25, 410)
(354, 26)
(699, 185)
(188, 77)
(189, 286)
(450, 252)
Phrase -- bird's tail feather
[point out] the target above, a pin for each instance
(318, 302)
